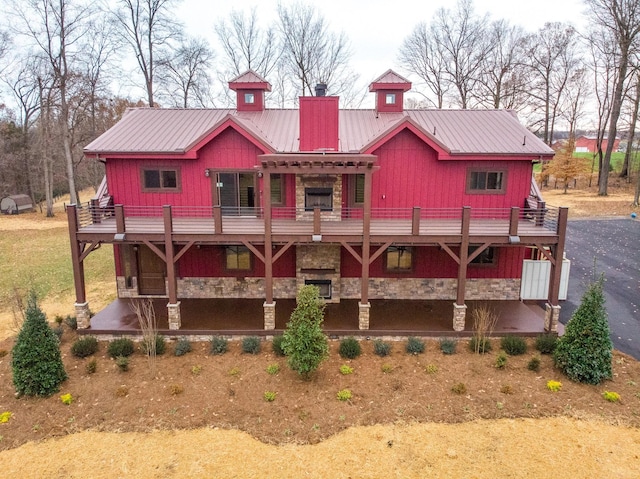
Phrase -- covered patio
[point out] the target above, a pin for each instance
(231, 317)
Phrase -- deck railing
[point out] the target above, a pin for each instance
(501, 221)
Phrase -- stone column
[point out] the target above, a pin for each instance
(269, 315)
(364, 310)
(459, 315)
(551, 316)
(174, 315)
(83, 316)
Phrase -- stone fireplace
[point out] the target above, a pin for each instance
(319, 191)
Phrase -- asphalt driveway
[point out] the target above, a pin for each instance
(614, 244)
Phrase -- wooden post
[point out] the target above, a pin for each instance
(268, 245)
(415, 221)
(366, 238)
(513, 221)
(217, 219)
(76, 251)
(120, 224)
(316, 221)
(558, 255)
(94, 207)
(540, 212)
(169, 254)
(464, 253)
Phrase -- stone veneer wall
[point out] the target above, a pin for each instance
(319, 181)
(319, 257)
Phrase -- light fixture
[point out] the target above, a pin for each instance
(207, 173)
(119, 237)
(316, 238)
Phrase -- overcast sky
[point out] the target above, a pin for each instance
(376, 28)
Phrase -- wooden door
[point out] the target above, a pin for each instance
(236, 193)
(151, 272)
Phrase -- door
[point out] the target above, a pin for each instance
(151, 271)
(236, 193)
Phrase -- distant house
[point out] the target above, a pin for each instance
(379, 204)
(588, 144)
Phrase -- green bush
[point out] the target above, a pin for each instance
(123, 363)
(381, 348)
(501, 360)
(350, 348)
(305, 343)
(160, 343)
(276, 345)
(415, 345)
(513, 345)
(36, 361)
(480, 345)
(219, 345)
(584, 353)
(534, 364)
(448, 346)
(58, 331)
(85, 346)
(546, 343)
(71, 321)
(120, 347)
(183, 346)
(92, 366)
(251, 345)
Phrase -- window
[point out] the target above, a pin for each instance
(277, 189)
(399, 259)
(249, 98)
(168, 179)
(324, 285)
(390, 99)
(486, 182)
(358, 189)
(486, 258)
(318, 198)
(238, 258)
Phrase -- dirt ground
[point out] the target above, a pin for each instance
(186, 421)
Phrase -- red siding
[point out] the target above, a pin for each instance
(258, 100)
(381, 103)
(319, 123)
(410, 175)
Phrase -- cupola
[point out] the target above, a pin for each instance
(250, 88)
(389, 88)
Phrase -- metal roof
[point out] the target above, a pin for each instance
(464, 132)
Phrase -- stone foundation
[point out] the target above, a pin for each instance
(174, 315)
(269, 315)
(83, 316)
(364, 312)
(551, 316)
(459, 316)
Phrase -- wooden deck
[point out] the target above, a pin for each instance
(232, 317)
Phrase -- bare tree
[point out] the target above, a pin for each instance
(148, 27)
(622, 19)
(421, 54)
(634, 96)
(185, 74)
(553, 54)
(312, 53)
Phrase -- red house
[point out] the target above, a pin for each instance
(589, 144)
(253, 203)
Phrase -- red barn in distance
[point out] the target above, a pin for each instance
(588, 144)
(373, 207)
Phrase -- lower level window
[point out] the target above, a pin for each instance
(487, 257)
(238, 258)
(324, 285)
(399, 259)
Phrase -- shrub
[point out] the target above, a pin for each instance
(415, 345)
(58, 319)
(344, 395)
(350, 348)
(554, 385)
(92, 366)
(448, 346)
(235, 371)
(58, 331)
(431, 368)
(584, 353)
(122, 391)
(276, 345)
(459, 388)
(251, 345)
(381, 348)
(71, 321)
(273, 369)
(513, 345)
(546, 343)
(611, 396)
(479, 346)
(160, 345)
(36, 360)
(305, 343)
(85, 346)
(219, 345)
(66, 399)
(386, 368)
(183, 346)
(269, 396)
(123, 363)
(176, 389)
(196, 370)
(506, 389)
(501, 360)
(3, 353)
(5, 416)
(344, 370)
(534, 364)
(121, 347)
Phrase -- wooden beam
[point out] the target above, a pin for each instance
(464, 249)
(156, 250)
(183, 250)
(513, 221)
(353, 252)
(268, 240)
(93, 246)
(366, 238)
(379, 251)
(254, 250)
(546, 253)
(476, 252)
(168, 251)
(558, 254)
(282, 250)
(415, 221)
(76, 262)
(455, 257)
(316, 221)
(120, 224)
(217, 219)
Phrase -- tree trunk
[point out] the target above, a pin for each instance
(632, 133)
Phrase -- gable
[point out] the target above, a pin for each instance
(229, 149)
